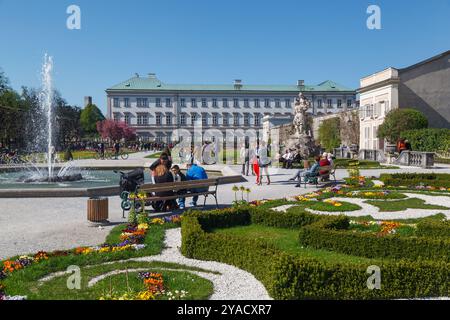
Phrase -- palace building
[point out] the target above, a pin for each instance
(156, 109)
(424, 86)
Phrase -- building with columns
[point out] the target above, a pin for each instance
(424, 86)
(156, 109)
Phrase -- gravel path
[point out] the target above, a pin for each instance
(231, 284)
(368, 209)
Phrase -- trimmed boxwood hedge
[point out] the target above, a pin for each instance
(287, 276)
(433, 228)
(321, 236)
(415, 179)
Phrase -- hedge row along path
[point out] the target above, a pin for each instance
(230, 283)
(368, 209)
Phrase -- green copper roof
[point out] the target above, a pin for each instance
(153, 83)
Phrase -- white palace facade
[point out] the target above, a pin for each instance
(155, 109)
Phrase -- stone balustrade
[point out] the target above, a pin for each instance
(372, 154)
(416, 159)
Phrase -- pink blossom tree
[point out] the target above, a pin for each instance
(115, 130)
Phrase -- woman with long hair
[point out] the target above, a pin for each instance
(162, 174)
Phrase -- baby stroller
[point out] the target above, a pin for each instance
(129, 183)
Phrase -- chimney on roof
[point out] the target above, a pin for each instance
(151, 75)
(136, 75)
(87, 101)
(237, 84)
(300, 83)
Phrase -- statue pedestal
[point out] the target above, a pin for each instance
(302, 144)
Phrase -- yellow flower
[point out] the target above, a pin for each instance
(142, 226)
(338, 204)
(145, 295)
(157, 221)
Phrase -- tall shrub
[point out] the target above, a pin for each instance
(431, 139)
(399, 120)
(329, 133)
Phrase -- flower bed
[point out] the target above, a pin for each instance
(288, 276)
(132, 238)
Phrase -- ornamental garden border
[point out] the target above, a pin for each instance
(287, 276)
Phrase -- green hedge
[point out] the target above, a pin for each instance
(288, 276)
(431, 139)
(415, 179)
(321, 236)
(433, 228)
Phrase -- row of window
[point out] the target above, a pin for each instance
(225, 103)
(374, 110)
(142, 119)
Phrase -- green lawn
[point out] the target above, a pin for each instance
(56, 289)
(154, 155)
(287, 240)
(400, 205)
(19, 281)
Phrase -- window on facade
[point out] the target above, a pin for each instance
(349, 103)
(183, 102)
(204, 103)
(246, 119)
(193, 118)
(236, 103)
(246, 104)
(116, 102)
(116, 116)
(329, 103)
(267, 103)
(257, 117)
(214, 103)
(168, 103)
(126, 102)
(225, 103)
(158, 119)
(256, 103)
(236, 119)
(141, 102)
(127, 118)
(319, 103)
(193, 103)
(168, 118)
(183, 119)
(225, 119)
(204, 119)
(158, 102)
(339, 103)
(287, 103)
(142, 119)
(215, 119)
(277, 103)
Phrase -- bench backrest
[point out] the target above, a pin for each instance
(180, 185)
(329, 168)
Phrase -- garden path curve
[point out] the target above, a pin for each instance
(230, 283)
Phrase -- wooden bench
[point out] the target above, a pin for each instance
(315, 178)
(186, 186)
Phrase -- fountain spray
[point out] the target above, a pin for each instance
(46, 103)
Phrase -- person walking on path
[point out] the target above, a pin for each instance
(262, 154)
(245, 159)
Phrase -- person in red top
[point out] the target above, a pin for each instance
(323, 163)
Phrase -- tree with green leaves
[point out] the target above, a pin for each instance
(399, 120)
(329, 134)
(89, 117)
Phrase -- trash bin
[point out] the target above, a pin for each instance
(97, 209)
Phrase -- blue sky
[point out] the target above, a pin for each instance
(212, 41)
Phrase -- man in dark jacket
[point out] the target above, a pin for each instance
(179, 176)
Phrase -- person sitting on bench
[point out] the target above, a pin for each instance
(179, 176)
(162, 175)
(311, 172)
(196, 172)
